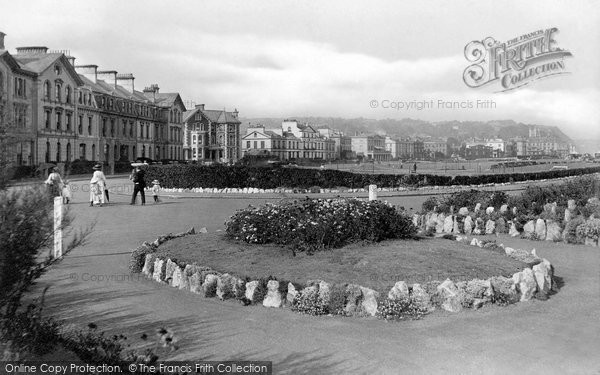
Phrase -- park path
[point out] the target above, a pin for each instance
(558, 336)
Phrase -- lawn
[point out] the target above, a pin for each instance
(374, 265)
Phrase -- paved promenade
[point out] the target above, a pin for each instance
(93, 284)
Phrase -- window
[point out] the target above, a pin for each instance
(80, 98)
(68, 95)
(194, 139)
(247, 144)
(254, 144)
(112, 127)
(68, 119)
(80, 125)
(131, 129)
(57, 90)
(47, 90)
(90, 126)
(147, 130)
(47, 152)
(58, 120)
(68, 151)
(141, 130)
(124, 128)
(58, 152)
(57, 69)
(262, 144)
(82, 151)
(47, 119)
(93, 152)
(104, 127)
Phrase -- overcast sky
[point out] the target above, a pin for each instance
(301, 58)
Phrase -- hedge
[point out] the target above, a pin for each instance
(189, 176)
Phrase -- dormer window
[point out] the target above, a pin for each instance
(57, 69)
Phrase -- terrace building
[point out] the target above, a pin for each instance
(313, 144)
(370, 147)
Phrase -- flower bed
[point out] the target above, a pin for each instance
(318, 297)
(316, 224)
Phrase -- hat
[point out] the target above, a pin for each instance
(97, 167)
(155, 182)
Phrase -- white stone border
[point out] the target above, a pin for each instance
(537, 281)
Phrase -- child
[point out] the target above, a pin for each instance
(66, 192)
(155, 190)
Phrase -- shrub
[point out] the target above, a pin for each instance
(467, 198)
(138, 257)
(399, 309)
(261, 289)
(570, 233)
(316, 224)
(591, 229)
(308, 302)
(337, 300)
(430, 203)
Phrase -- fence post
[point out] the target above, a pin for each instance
(372, 192)
(58, 213)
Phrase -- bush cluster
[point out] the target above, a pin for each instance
(316, 224)
(399, 309)
(221, 176)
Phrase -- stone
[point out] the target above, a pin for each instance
(353, 298)
(203, 230)
(479, 229)
(451, 299)
(503, 290)
(489, 210)
(448, 224)
(399, 291)
(148, 268)
(568, 215)
(529, 229)
(225, 286)
(273, 297)
(480, 290)
(571, 205)
(416, 220)
(209, 287)
(501, 226)
(503, 208)
(238, 287)
(515, 210)
(171, 266)
(176, 278)
(324, 291)
(421, 298)
(196, 283)
(455, 226)
(463, 211)
(431, 222)
(468, 228)
(513, 232)
(439, 226)
(553, 231)
(159, 270)
(540, 229)
(490, 227)
(191, 231)
(477, 207)
(369, 301)
(549, 207)
(291, 293)
(250, 289)
(476, 242)
(544, 273)
(525, 284)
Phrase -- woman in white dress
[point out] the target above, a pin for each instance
(97, 186)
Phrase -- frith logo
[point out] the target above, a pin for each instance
(515, 63)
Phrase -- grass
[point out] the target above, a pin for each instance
(374, 265)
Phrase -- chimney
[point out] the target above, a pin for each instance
(200, 107)
(108, 76)
(235, 113)
(126, 80)
(2, 35)
(151, 91)
(71, 60)
(31, 50)
(88, 71)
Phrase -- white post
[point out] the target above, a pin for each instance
(58, 211)
(372, 192)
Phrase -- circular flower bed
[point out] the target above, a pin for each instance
(315, 224)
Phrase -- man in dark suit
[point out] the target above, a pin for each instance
(139, 184)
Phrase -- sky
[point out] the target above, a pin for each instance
(326, 58)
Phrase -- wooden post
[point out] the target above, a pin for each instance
(58, 212)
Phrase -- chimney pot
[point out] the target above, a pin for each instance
(200, 107)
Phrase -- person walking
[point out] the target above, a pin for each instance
(415, 168)
(55, 183)
(155, 190)
(97, 186)
(139, 184)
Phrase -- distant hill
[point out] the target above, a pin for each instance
(505, 129)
